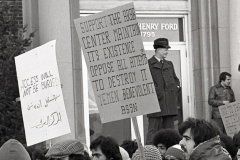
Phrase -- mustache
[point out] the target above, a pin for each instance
(183, 148)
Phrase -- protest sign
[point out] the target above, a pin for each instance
(230, 114)
(43, 109)
(117, 64)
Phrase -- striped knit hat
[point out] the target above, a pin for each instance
(65, 148)
(151, 153)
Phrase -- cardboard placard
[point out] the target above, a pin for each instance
(117, 64)
(230, 114)
(43, 109)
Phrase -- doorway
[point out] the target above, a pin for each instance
(176, 54)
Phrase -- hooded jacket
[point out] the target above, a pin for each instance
(210, 150)
(13, 150)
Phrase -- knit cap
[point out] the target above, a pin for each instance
(175, 151)
(150, 151)
(65, 148)
(14, 150)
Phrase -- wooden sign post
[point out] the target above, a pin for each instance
(136, 129)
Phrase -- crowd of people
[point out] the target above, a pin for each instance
(195, 139)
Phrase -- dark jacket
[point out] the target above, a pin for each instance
(165, 82)
(217, 95)
(210, 150)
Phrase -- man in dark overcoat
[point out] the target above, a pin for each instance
(167, 86)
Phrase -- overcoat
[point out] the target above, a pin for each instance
(165, 82)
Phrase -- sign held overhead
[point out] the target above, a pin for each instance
(117, 64)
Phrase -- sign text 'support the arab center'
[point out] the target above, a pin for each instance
(117, 65)
(43, 108)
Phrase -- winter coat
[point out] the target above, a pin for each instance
(165, 82)
(210, 150)
(13, 150)
(217, 95)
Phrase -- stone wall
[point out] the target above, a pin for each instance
(16, 10)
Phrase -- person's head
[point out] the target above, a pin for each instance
(194, 132)
(227, 143)
(161, 47)
(65, 149)
(175, 153)
(14, 150)
(130, 146)
(105, 148)
(150, 151)
(225, 78)
(166, 138)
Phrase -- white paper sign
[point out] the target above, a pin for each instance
(230, 114)
(43, 108)
(117, 64)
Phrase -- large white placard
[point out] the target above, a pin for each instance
(117, 64)
(230, 114)
(42, 103)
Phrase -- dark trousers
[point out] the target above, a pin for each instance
(157, 123)
(220, 124)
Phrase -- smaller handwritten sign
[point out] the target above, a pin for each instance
(43, 108)
(230, 114)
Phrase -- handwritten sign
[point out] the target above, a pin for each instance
(43, 108)
(230, 114)
(117, 64)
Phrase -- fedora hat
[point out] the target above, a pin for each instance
(161, 43)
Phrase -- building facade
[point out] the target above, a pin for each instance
(203, 35)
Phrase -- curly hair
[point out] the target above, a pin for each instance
(108, 146)
(168, 137)
(130, 146)
(201, 130)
